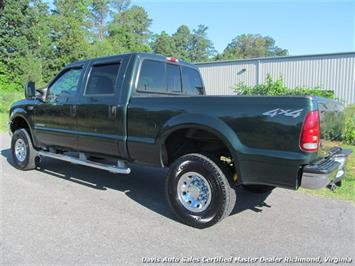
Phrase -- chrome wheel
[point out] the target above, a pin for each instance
(194, 192)
(20, 150)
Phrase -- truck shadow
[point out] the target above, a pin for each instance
(145, 185)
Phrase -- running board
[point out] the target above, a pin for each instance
(119, 169)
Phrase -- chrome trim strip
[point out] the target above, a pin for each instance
(73, 160)
(78, 133)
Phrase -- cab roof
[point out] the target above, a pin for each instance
(140, 55)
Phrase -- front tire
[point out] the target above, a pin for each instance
(22, 150)
(199, 190)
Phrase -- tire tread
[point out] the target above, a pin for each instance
(224, 179)
(32, 153)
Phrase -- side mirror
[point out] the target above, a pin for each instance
(30, 90)
(41, 94)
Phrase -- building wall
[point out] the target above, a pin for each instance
(328, 71)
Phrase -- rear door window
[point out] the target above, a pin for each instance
(102, 79)
(191, 81)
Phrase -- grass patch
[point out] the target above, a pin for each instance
(6, 99)
(4, 118)
(347, 189)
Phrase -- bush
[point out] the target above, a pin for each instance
(6, 84)
(7, 98)
(333, 126)
(277, 88)
(349, 133)
(10, 91)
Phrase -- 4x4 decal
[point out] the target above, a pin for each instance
(288, 112)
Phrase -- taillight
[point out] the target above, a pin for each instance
(310, 132)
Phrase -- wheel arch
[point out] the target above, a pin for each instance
(204, 123)
(20, 119)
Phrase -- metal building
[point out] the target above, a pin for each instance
(329, 71)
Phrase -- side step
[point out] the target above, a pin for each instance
(119, 169)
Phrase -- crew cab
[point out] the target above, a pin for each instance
(148, 109)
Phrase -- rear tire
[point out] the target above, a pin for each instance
(199, 190)
(260, 189)
(22, 150)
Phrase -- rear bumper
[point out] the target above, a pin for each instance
(326, 172)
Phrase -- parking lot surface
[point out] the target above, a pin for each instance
(68, 214)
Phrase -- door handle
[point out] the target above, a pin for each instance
(74, 110)
(113, 111)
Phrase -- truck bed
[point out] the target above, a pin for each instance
(263, 132)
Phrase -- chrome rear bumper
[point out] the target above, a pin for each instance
(329, 171)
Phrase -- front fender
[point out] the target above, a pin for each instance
(21, 112)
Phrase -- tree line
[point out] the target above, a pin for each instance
(37, 39)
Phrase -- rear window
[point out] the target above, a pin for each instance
(191, 81)
(161, 77)
(102, 79)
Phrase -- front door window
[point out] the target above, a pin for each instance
(65, 86)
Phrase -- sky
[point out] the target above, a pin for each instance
(302, 27)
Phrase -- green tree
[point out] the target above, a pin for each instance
(24, 39)
(251, 46)
(118, 6)
(14, 37)
(35, 65)
(191, 47)
(201, 47)
(6, 84)
(100, 14)
(183, 40)
(69, 32)
(164, 44)
(101, 48)
(129, 30)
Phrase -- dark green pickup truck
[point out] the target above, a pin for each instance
(149, 109)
